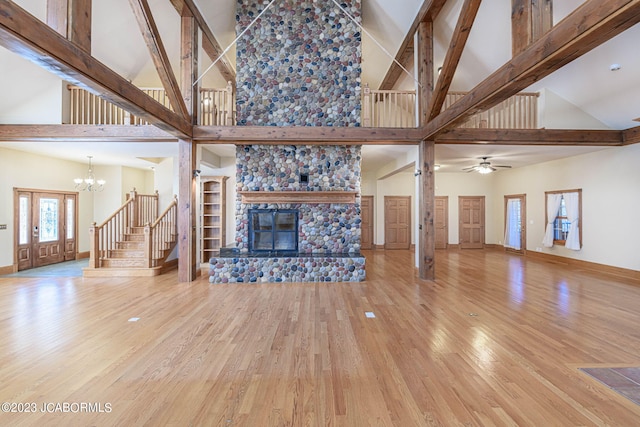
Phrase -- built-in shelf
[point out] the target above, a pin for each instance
(347, 197)
(212, 216)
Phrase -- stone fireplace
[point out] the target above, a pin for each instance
(326, 225)
(298, 65)
(317, 186)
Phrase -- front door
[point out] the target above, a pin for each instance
(514, 223)
(366, 214)
(397, 222)
(46, 228)
(471, 212)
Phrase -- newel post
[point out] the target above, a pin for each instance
(366, 107)
(132, 221)
(229, 107)
(94, 246)
(148, 244)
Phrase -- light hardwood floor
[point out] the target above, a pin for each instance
(496, 340)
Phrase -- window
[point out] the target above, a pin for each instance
(561, 224)
(563, 218)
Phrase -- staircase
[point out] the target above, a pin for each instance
(135, 240)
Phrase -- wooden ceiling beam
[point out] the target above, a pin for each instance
(590, 25)
(151, 36)
(631, 136)
(264, 135)
(30, 38)
(452, 58)
(428, 12)
(557, 137)
(84, 133)
(210, 44)
(305, 135)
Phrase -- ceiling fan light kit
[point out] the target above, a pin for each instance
(484, 167)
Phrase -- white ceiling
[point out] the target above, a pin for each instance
(610, 97)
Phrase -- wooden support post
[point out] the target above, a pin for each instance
(424, 63)
(72, 19)
(426, 264)
(530, 20)
(230, 107)
(187, 260)
(189, 65)
(424, 66)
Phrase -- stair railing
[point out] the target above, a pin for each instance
(161, 235)
(137, 210)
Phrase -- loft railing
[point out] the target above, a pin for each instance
(85, 108)
(138, 211)
(393, 108)
(388, 108)
(380, 108)
(518, 112)
(217, 107)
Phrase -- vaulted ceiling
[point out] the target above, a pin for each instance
(610, 98)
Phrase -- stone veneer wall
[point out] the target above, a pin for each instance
(324, 228)
(299, 64)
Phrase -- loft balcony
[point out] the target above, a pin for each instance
(379, 109)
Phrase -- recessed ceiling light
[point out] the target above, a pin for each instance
(615, 67)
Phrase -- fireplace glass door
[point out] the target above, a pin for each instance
(273, 230)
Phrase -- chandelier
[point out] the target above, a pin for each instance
(89, 182)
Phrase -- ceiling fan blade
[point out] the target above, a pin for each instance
(470, 168)
(501, 166)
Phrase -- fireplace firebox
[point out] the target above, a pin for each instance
(273, 230)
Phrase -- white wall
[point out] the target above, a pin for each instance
(467, 184)
(556, 112)
(610, 202)
(166, 181)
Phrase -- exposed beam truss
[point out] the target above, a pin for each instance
(427, 13)
(210, 44)
(151, 36)
(452, 58)
(30, 38)
(587, 27)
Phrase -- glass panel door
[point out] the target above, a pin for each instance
(271, 229)
(514, 234)
(49, 225)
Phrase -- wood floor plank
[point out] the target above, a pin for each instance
(496, 339)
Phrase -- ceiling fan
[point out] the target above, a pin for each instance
(484, 166)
